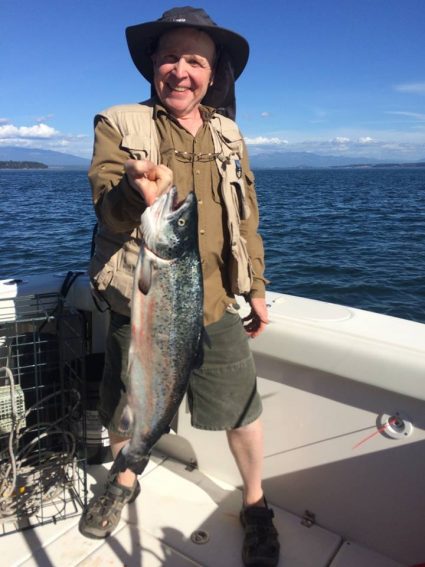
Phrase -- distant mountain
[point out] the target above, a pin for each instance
(49, 157)
(259, 159)
(303, 159)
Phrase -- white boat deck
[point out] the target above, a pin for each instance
(330, 378)
(157, 530)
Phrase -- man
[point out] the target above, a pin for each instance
(140, 151)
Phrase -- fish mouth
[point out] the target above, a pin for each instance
(172, 205)
(166, 209)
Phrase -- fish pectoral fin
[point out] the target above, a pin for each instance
(126, 420)
(145, 274)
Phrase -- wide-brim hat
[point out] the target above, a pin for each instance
(142, 38)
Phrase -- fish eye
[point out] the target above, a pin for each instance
(181, 222)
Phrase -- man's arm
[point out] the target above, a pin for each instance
(116, 203)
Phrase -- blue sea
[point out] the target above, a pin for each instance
(349, 236)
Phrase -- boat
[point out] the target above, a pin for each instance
(343, 391)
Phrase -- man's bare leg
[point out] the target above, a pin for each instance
(127, 477)
(247, 446)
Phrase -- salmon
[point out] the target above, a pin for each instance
(166, 325)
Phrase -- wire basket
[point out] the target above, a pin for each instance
(42, 376)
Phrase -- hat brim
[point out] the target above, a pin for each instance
(141, 38)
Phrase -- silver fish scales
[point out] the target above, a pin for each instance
(166, 324)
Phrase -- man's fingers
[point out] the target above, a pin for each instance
(149, 179)
(255, 323)
(139, 167)
(164, 178)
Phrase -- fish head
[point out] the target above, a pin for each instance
(169, 227)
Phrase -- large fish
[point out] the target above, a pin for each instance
(166, 324)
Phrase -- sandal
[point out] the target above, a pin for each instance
(103, 512)
(261, 545)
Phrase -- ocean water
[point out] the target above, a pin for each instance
(353, 236)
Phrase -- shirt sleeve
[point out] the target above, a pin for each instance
(118, 206)
(249, 231)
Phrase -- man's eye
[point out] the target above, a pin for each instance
(168, 58)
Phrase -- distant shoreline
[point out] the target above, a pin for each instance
(419, 165)
(22, 165)
(35, 165)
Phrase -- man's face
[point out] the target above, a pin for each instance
(183, 69)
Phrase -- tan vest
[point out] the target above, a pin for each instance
(135, 123)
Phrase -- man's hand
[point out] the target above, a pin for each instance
(256, 321)
(148, 179)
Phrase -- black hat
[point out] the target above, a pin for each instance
(142, 38)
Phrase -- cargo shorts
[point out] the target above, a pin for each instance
(222, 392)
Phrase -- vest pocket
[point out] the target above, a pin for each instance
(137, 145)
(101, 273)
(240, 269)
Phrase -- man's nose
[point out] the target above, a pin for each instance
(180, 67)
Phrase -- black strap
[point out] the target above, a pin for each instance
(68, 281)
(93, 237)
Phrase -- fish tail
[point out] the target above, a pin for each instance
(139, 466)
(122, 463)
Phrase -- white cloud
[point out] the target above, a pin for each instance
(339, 144)
(415, 88)
(42, 136)
(265, 141)
(363, 146)
(44, 118)
(11, 132)
(63, 143)
(4, 121)
(265, 114)
(415, 115)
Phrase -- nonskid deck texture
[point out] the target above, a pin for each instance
(182, 518)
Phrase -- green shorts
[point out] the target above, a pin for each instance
(222, 393)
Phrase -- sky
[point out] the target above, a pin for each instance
(332, 77)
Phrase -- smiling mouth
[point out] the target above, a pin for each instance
(179, 89)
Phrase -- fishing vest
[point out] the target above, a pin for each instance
(113, 278)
